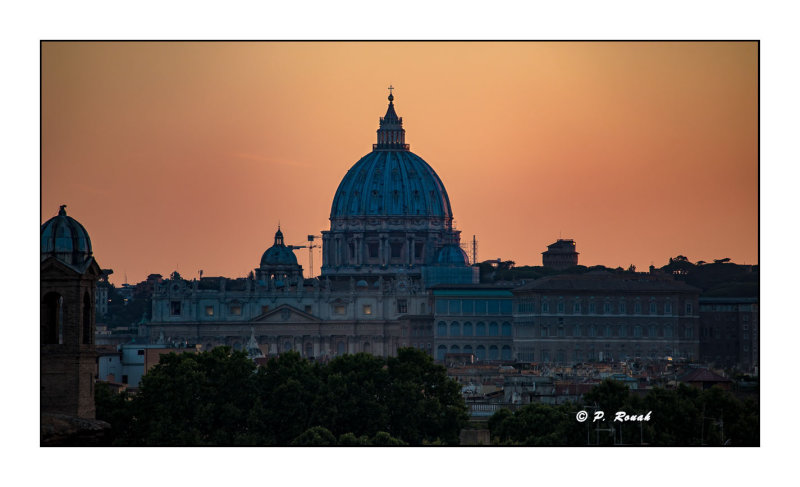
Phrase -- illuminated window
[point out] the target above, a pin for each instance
(175, 308)
(339, 309)
(402, 306)
(264, 308)
(367, 309)
(209, 311)
(236, 309)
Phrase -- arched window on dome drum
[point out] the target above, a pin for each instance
(467, 329)
(440, 351)
(505, 353)
(441, 329)
(493, 331)
(506, 330)
(493, 353)
(52, 327)
(87, 331)
(480, 329)
(480, 352)
(455, 329)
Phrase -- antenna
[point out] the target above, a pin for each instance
(474, 250)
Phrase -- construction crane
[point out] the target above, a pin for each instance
(311, 246)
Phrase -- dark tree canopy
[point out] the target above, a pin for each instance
(221, 398)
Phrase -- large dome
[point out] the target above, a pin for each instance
(66, 239)
(391, 183)
(390, 214)
(391, 180)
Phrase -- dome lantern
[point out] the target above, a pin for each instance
(391, 135)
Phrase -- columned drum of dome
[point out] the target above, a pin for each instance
(391, 213)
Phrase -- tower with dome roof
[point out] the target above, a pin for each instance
(68, 276)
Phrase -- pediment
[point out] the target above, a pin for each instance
(285, 314)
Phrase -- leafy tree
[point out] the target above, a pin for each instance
(316, 436)
(424, 404)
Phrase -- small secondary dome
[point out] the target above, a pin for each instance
(279, 253)
(66, 239)
(452, 255)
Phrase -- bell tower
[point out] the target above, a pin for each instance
(68, 275)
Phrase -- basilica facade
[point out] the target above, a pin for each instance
(391, 238)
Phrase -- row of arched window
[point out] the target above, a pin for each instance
(456, 329)
(481, 352)
(607, 306)
(622, 331)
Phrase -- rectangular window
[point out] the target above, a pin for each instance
(339, 309)
(264, 309)
(637, 308)
(372, 248)
(308, 309)
(402, 306)
(576, 308)
(422, 308)
(455, 306)
(545, 307)
(606, 308)
(397, 249)
(175, 308)
(236, 310)
(592, 309)
(480, 307)
(560, 307)
(652, 307)
(367, 309)
(441, 306)
(418, 251)
(688, 308)
(140, 352)
(494, 307)
(467, 306)
(622, 307)
(667, 308)
(209, 311)
(124, 379)
(505, 307)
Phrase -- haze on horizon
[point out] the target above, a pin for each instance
(186, 155)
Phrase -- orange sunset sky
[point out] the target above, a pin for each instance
(186, 155)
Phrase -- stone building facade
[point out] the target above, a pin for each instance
(600, 316)
(729, 332)
(560, 255)
(391, 236)
(473, 319)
